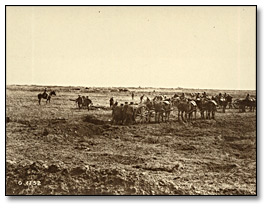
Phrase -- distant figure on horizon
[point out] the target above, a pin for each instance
(132, 95)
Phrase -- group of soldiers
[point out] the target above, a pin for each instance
(83, 101)
(123, 113)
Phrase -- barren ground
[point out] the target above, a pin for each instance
(56, 149)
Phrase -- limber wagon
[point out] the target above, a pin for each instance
(142, 113)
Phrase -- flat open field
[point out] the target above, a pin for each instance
(57, 149)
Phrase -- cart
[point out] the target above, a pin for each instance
(141, 114)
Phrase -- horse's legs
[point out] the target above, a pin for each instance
(39, 101)
(182, 116)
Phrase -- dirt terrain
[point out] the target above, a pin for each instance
(57, 149)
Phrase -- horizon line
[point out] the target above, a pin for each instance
(134, 87)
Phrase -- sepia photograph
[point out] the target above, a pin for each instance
(131, 100)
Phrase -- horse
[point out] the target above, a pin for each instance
(184, 106)
(162, 110)
(229, 100)
(251, 103)
(206, 105)
(223, 101)
(158, 98)
(167, 106)
(193, 109)
(46, 96)
(158, 107)
(144, 99)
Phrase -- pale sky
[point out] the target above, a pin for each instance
(190, 47)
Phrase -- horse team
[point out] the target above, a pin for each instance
(187, 107)
(161, 106)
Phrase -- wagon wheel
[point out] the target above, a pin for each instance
(141, 115)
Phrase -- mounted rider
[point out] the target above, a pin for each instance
(44, 94)
(197, 96)
(204, 95)
(247, 97)
(182, 96)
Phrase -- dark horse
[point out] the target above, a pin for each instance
(251, 103)
(46, 96)
(185, 106)
(224, 101)
(206, 105)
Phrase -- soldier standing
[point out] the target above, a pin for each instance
(130, 113)
(111, 101)
(125, 112)
(79, 101)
